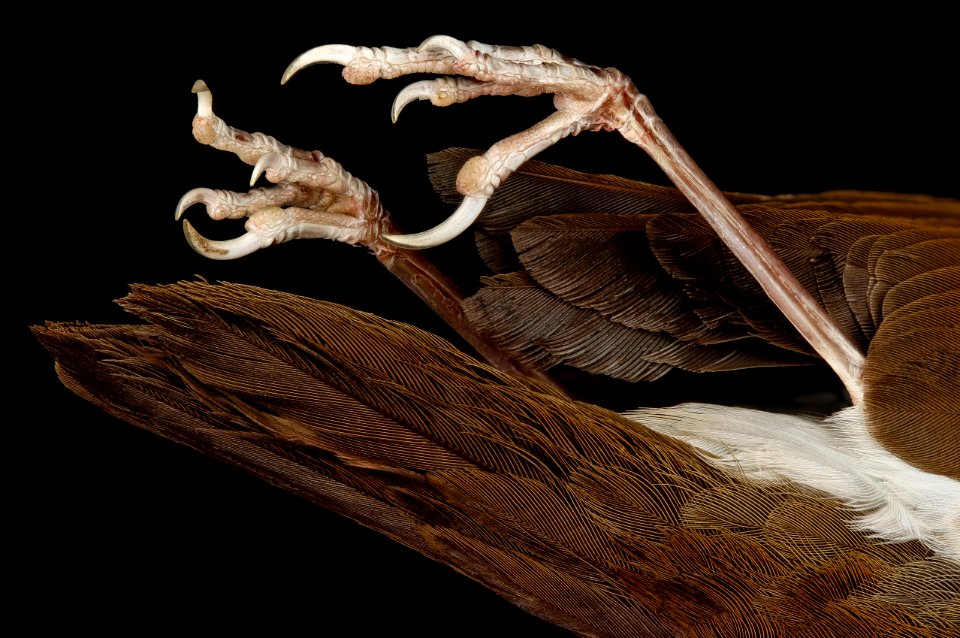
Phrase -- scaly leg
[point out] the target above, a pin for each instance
(587, 98)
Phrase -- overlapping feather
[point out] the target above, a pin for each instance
(625, 279)
(572, 512)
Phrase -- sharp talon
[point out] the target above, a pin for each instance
(459, 221)
(417, 91)
(341, 54)
(196, 196)
(267, 161)
(231, 249)
(262, 164)
(204, 98)
(445, 44)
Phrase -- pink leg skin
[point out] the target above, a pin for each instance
(314, 197)
(587, 98)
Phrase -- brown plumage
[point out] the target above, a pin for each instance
(909, 592)
(570, 511)
(646, 286)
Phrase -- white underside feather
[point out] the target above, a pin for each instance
(893, 500)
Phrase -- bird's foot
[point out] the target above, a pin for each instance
(313, 196)
(586, 98)
(322, 200)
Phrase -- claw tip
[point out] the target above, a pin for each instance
(466, 214)
(341, 54)
(196, 196)
(230, 249)
(258, 169)
(417, 91)
(184, 203)
(198, 242)
(203, 245)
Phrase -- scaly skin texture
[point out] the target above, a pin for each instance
(587, 98)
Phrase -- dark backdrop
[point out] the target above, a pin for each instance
(115, 526)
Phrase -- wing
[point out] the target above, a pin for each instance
(624, 279)
(570, 511)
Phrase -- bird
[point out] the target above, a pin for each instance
(143, 299)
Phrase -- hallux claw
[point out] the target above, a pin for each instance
(459, 221)
(341, 54)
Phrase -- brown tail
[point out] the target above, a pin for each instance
(568, 510)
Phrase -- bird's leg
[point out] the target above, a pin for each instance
(314, 197)
(587, 98)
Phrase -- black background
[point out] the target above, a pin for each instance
(119, 530)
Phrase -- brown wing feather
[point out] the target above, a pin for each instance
(901, 255)
(912, 377)
(570, 511)
(658, 266)
(606, 260)
(551, 332)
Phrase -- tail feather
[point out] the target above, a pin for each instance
(570, 511)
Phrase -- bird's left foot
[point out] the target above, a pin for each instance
(313, 196)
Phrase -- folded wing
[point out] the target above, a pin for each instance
(624, 279)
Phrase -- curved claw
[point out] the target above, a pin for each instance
(422, 90)
(445, 44)
(459, 221)
(204, 98)
(341, 54)
(203, 196)
(274, 162)
(265, 161)
(231, 249)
